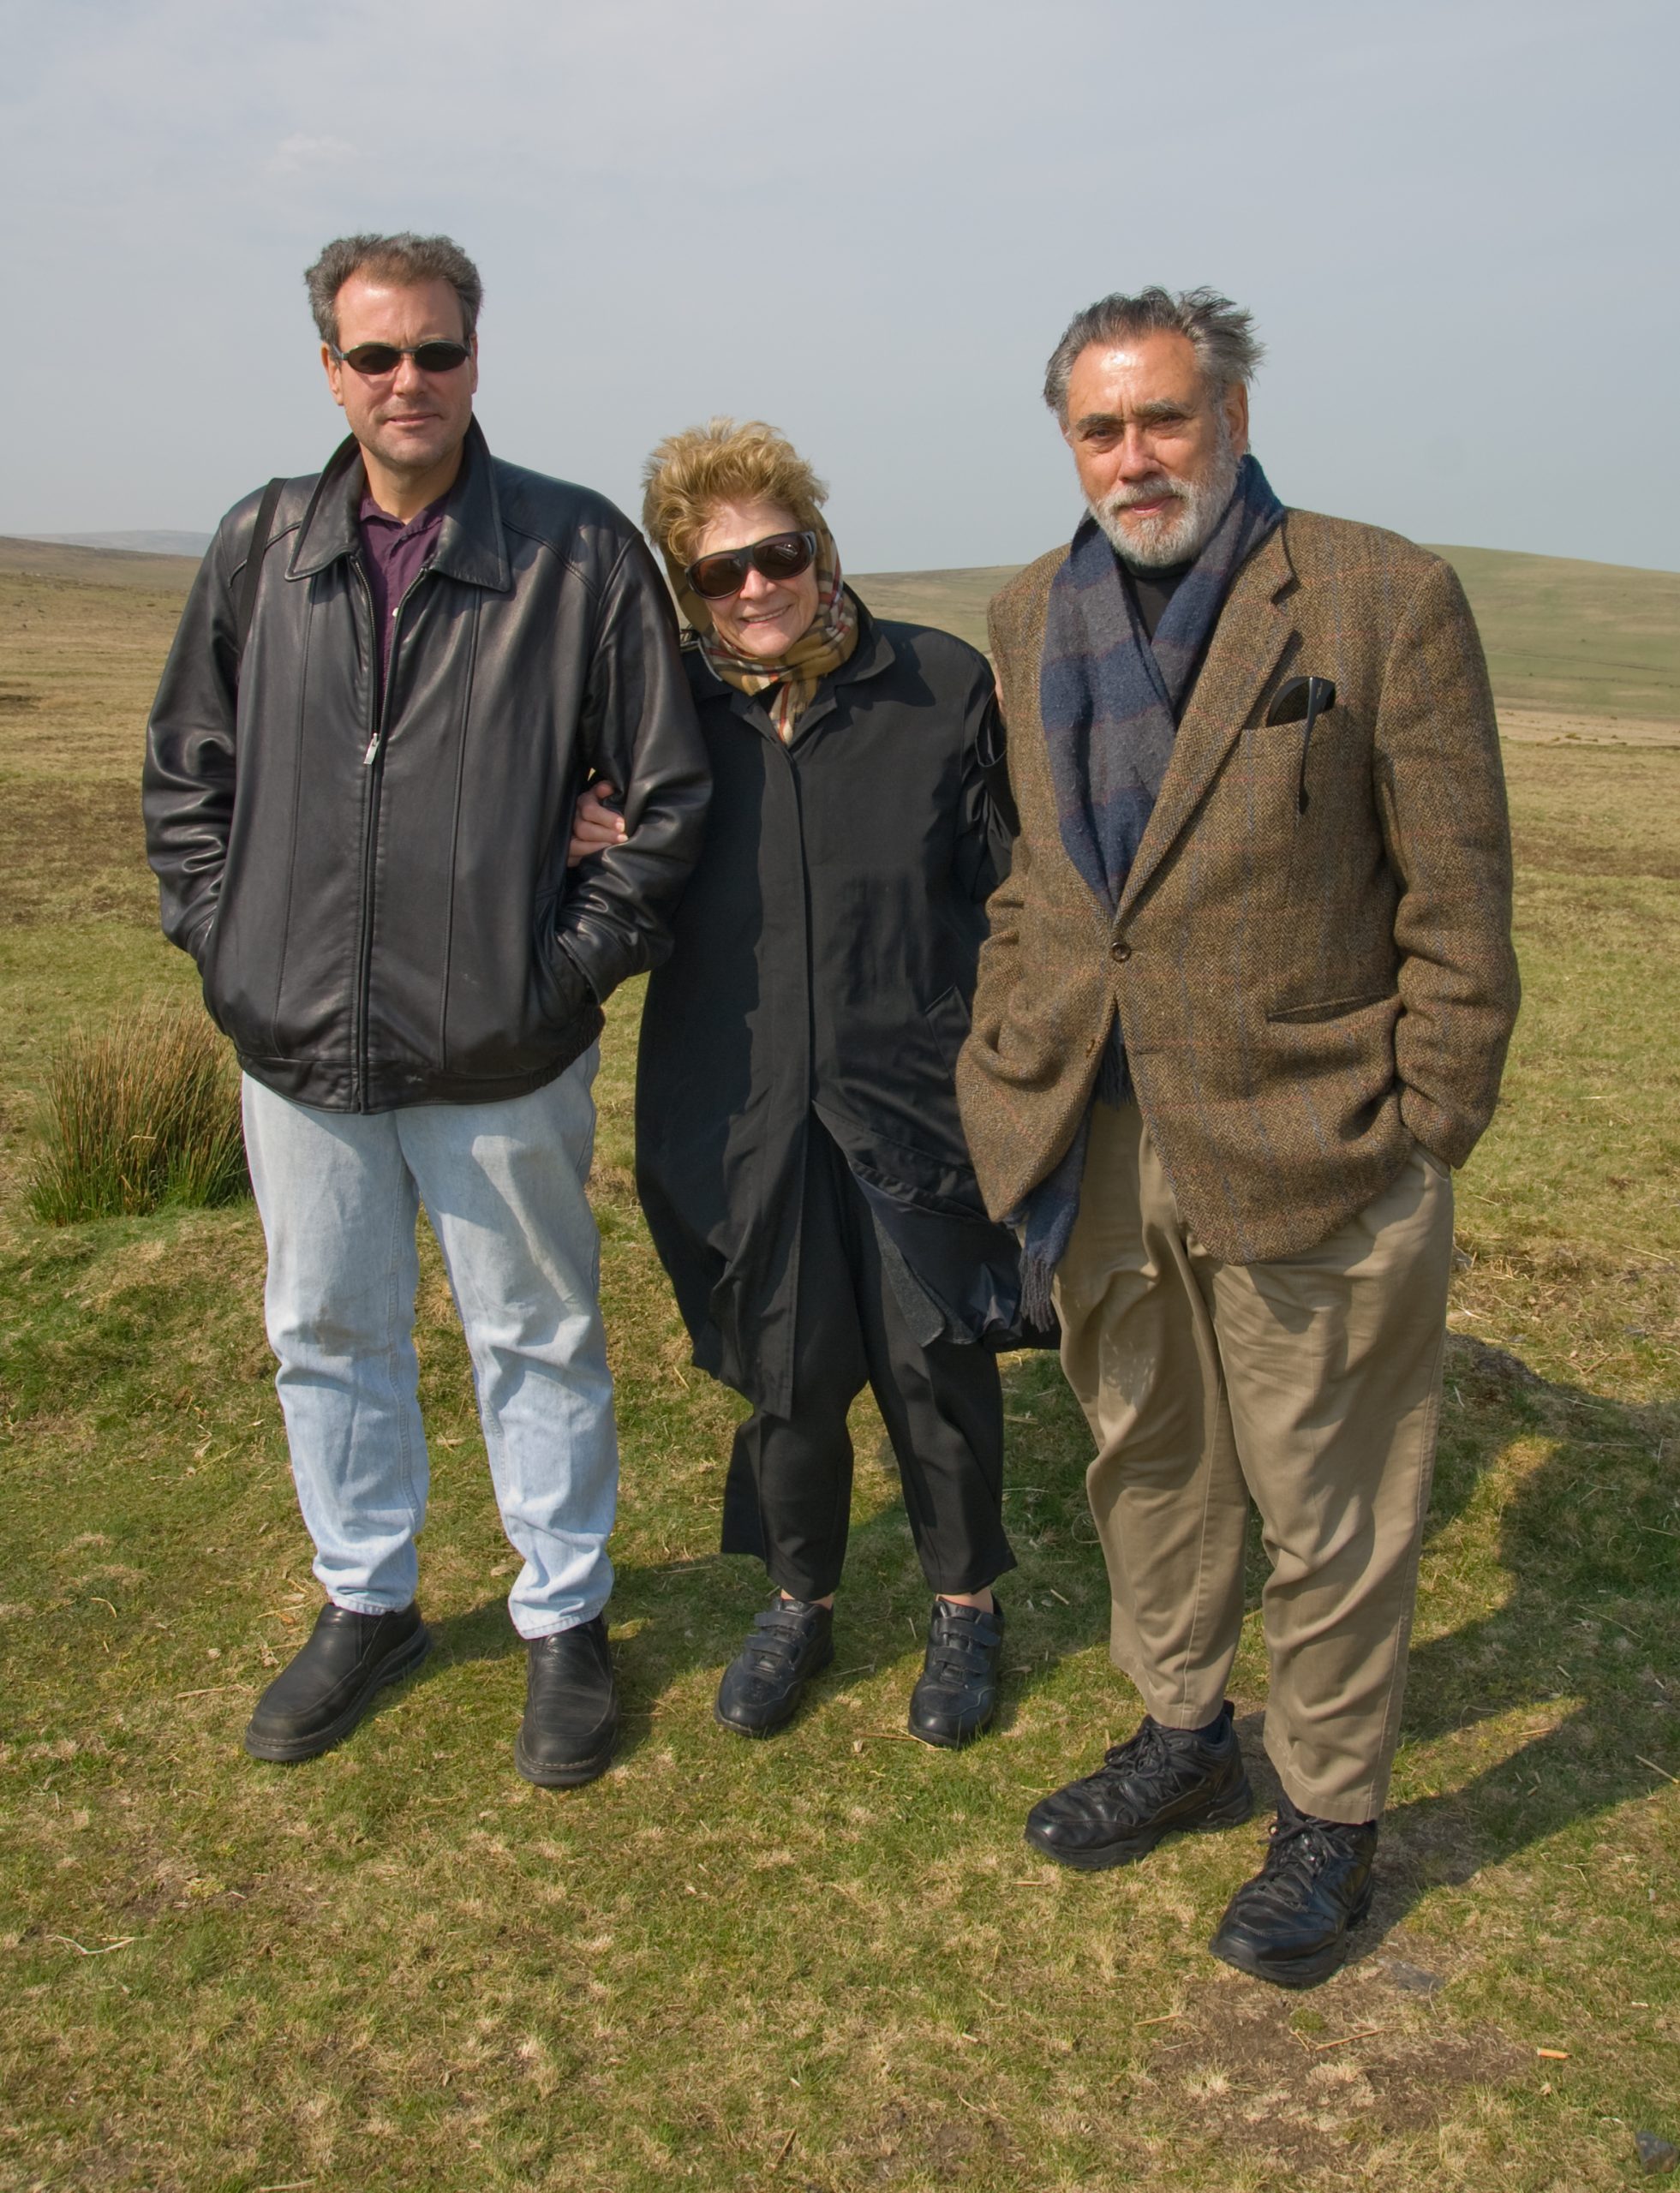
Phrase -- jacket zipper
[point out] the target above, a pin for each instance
(372, 760)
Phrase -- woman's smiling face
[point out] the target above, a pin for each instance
(767, 615)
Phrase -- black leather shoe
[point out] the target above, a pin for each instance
(571, 1707)
(323, 1690)
(1161, 1783)
(1291, 1923)
(762, 1687)
(956, 1692)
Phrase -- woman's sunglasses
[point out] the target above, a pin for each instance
(780, 556)
(375, 358)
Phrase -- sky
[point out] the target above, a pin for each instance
(867, 223)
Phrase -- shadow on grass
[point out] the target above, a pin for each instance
(697, 1610)
(480, 1633)
(1584, 1548)
(1585, 1643)
(1586, 1640)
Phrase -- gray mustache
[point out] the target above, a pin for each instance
(1126, 498)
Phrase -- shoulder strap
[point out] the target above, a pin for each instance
(250, 578)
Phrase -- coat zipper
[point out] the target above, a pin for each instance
(372, 760)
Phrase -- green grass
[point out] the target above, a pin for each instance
(827, 1961)
(1574, 636)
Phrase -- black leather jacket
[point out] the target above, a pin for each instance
(373, 884)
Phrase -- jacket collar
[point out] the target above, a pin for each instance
(471, 546)
(873, 654)
(1254, 628)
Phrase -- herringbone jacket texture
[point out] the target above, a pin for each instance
(1302, 994)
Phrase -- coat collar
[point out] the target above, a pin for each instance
(471, 546)
(1254, 628)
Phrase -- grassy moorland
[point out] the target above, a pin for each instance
(826, 1962)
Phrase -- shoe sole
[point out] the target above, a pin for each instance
(282, 1752)
(1230, 1811)
(572, 1774)
(769, 1728)
(1300, 1972)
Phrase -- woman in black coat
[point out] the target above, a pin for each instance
(798, 1152)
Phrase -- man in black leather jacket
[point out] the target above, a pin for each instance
(360, 774)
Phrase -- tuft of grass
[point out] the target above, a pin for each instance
(143, 1113)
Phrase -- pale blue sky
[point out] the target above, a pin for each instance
(867, 223)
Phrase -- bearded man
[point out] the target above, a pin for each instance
(1245, 1003)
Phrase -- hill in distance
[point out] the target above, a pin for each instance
(59, 563)
(1566, 641)
(1564, 638)
(162, 543)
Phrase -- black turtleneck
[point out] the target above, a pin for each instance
(1151, 591)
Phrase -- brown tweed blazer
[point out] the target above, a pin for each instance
(1301, 995)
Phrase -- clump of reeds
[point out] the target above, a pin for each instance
(144, 1112)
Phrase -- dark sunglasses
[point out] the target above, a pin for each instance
(780, 556)
(375, 358)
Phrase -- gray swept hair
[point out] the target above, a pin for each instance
(403, 258)
(1227, 348)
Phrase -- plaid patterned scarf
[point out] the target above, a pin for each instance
(1110, 700)
(823, 646)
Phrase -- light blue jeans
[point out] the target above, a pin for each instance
(502, 1184)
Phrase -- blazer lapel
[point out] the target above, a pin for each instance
(1254, 628)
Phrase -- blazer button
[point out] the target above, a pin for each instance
(1120, 950)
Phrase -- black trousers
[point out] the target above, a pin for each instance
(788, 1497)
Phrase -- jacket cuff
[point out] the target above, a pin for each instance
(1444, 1134)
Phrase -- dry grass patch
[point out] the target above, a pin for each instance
(1324, 2086)
(143, 1113)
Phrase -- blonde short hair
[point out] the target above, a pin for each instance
(689, 473)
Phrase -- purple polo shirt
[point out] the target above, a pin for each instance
(395, 554)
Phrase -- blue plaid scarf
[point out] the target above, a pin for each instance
(1110, 700)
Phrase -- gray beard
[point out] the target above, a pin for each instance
(1183, 533)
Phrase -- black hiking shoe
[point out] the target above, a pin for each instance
(956, 1692)
(1291, 1923)
(326, 1686)
(1163, 1781)
(571, 1707)
(788, 1643)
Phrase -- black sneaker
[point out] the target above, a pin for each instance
(956, 1692)
(762, 1685)
(1161, 1783)
(1291, 1923)
(571, 1707)
(326, 1686)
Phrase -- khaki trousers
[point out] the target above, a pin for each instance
(1310, 1384)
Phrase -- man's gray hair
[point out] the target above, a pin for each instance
(403, 258)
(1227, 348)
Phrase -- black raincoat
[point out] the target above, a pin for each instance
(824, 963)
